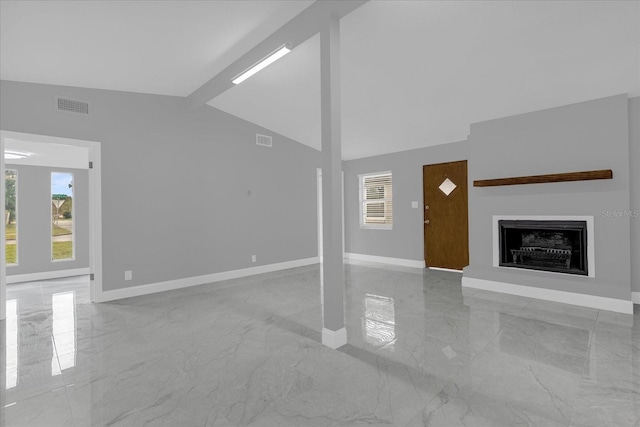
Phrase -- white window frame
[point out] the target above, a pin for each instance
(361, 201)
(73, 218)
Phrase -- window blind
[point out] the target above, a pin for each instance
(377, 208)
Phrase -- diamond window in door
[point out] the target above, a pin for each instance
(447, 186)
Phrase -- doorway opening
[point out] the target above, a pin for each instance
(58, 148)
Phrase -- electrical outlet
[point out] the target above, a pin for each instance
(128, 275)
(414, 204)
(253, 258)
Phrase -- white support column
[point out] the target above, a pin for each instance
(334, 334)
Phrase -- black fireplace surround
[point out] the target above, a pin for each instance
(558, 246)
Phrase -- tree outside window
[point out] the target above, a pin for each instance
(11, 217)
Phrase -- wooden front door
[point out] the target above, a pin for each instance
(446, 221)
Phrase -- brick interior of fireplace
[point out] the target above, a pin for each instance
(557, 246)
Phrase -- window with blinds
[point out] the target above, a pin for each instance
(376, 209)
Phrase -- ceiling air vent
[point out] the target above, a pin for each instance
(264, 140)
(73, 106)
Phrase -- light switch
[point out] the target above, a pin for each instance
(414, 204)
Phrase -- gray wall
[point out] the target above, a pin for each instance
(34, 220)
(634, 171)
(184, 192)
(406, 239)
(585, 136)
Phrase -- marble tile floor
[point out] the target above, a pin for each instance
(422, 352)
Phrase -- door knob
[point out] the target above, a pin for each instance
(426, 222)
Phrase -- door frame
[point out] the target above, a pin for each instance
(424, 236)
(95, 210)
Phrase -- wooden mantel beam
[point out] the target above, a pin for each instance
(540, 179)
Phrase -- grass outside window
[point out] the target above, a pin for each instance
(10, 253)
(62, 250)
(10, 232)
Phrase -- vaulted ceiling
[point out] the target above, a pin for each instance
(414, 73)
(160, 47)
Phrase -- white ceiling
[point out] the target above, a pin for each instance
(48, 154)
(162, 47)
(414, 73)
(284, 97)
(418, 73)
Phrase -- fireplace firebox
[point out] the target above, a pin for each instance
(557, 246)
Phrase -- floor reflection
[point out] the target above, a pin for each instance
(578, 359)
(12, 343)
(379, 321)
(41, 332)
(421, 351)
(63, 306)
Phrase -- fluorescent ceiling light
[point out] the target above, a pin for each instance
(270, 59)
(15, 155)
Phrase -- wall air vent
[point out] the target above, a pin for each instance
(264, 140)
(72, 105)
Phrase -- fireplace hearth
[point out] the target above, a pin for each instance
(556, 246)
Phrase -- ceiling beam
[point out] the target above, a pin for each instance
(302, 27)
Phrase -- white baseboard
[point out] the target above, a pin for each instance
(591, 301)
(170, 285)
(635, 297)
(334, 339)
(47, 275)
(385, 260)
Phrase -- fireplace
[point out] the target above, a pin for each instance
(549, 245)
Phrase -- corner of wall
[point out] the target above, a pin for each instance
(634, 193)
